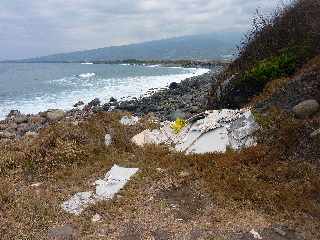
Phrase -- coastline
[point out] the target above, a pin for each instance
(90, 83)
(179, 99)
(182, 99)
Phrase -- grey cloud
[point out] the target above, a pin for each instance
(40, 27)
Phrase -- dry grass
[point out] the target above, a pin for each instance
(67, 158)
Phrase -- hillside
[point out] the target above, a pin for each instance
(209, 46)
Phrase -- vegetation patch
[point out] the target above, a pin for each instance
(255, 79)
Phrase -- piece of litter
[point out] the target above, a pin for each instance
(108, 139)
(255, 234)
(36, 184)
(106, 189)
(96, 218)
(129, 121)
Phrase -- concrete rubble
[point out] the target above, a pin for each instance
(106, 189)
(211, 131)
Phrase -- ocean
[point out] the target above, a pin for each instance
(35, 87)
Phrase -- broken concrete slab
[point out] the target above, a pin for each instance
(113, 182)
(212, 131)
(78, 202)
(106, 189)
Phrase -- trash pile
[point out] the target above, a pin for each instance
(211, 131)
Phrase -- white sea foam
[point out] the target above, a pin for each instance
(87, 75)
(94, 87)
(153, 66)
(87, 63)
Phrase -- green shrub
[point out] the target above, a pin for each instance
(264, 71)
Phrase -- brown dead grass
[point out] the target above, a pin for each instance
(68, 158)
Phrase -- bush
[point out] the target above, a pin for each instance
(255, 79)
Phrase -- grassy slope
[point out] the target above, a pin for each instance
(222, 192)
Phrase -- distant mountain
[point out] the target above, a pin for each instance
(206, 46)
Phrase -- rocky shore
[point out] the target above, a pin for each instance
(182, 99)
(179, 100)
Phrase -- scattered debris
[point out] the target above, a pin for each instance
(212, 131)
(108, 139)
(35, 185)
(96, 218)
(106, 189)
(129, 121)
(255, 234)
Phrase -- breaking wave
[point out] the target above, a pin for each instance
(87, 86)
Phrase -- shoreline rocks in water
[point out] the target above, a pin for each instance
(186, 98)
(182, 100)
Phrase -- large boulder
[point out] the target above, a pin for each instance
(55, 115)
(306, 108)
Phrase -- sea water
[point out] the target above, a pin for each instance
(35, 87)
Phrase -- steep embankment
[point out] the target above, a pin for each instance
(276, 48)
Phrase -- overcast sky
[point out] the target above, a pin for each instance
(40, 27)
